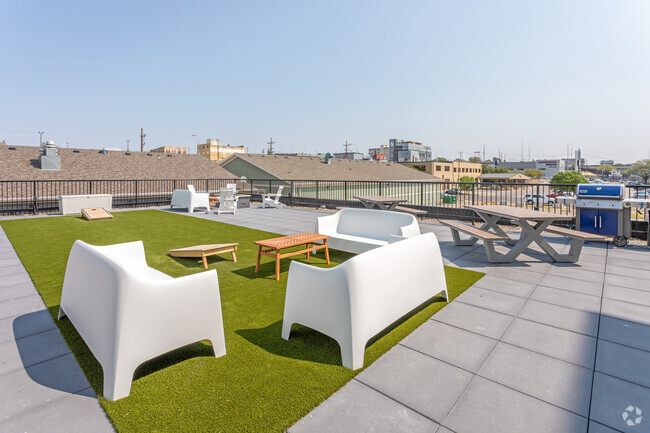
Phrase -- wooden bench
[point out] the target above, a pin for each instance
(564, 231)
(410, 210)
(477, 233)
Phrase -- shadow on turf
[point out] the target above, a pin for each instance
(309, 345)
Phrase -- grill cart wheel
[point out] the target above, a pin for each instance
(620, 241)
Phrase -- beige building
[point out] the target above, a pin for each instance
(451, 171)
(214, 151)
(171, 149)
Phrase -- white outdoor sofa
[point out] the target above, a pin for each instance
(360, 230)
(356, 300)
(190, 199)
(128, 313)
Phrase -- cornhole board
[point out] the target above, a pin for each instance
(96, 213)
(204, 251)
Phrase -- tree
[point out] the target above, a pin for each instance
(441, 159)
(475, 159)
(467, 180)
(488, 170)
(568, 178)
(641, 168)
(606, 169)
(535, 174)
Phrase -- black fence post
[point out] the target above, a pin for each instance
(35, 198)
(136, 192)
(537, 201)
(317, 193)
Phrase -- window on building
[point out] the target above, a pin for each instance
(446, 168)
(454, 169)
(438, 167)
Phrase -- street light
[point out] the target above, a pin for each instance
(197, 143)
(40, 133)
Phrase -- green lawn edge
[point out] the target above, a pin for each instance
(263, 383)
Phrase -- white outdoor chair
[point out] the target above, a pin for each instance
(357, 299)
(232, 186)
(128, 313)
(190, 199)
(268, 200)
(227, 201)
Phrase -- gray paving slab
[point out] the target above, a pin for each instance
(595, 427)
(12, 279)
(415, 380)
(27, 351)
(581, 265)
(625, 332)
(444, 429)
(14, 328)
(624, 362)
(450, 344)
(20, 290)
(624, 294)
(582, 322)
(518, 275)
(626, 311)
(77, 413)
(532, 265)
(556, 382)
(20, 306)
(8, 263)
(25, 390)
(640, 272)
(479, 320)
(573, 285)
(491, 300)
(487, 407)
(561, 344)
(628, 281)
(359, 408)
(578, 274)
(613, 397)
(509, 287)
(627, 262)
(565, 298)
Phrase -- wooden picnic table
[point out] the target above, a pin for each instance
(532, 223)
(379, 202)
(272, 247)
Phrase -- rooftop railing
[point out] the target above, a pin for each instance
(438, 199)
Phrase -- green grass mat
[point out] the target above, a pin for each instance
(263, 383)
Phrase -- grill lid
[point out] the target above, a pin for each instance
(616, 191)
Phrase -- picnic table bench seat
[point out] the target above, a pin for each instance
(457, 226)
(410, 210)
(576, 234)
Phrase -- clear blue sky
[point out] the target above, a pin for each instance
(455, 75)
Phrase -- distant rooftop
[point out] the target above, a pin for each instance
(302, 168)
(22, 163)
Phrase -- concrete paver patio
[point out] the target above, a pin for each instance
(531, 347)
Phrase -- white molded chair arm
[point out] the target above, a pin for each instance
(314, 297)
(327, 224)
(410, 230)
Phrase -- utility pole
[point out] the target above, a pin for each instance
(346, 146)
(142, 135)
(484, 152)
(460, 155)
(270, 143)
(127, 145)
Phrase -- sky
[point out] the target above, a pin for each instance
(458, 76)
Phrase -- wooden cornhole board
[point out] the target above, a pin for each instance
(96, 213)
(204, 251)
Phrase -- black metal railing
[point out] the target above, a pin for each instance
(439, 199)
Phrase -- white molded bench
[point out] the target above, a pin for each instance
(356, 300)
(128, 313)
(361, 230)
(190, 199)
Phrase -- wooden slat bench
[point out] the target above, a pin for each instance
(477, 233)
(410, 210)
(564, 231)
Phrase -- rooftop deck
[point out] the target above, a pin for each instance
(534, 346)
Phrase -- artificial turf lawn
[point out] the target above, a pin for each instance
(263, 383)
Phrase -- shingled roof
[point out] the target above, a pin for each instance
(22, 163)
(305, 168)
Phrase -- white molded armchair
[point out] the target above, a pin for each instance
(356, 300)
(227, 201)
(190, 199)
(128, 313)
(273, 200)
